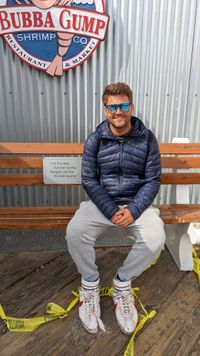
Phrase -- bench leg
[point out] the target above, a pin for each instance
(194, 232)
(179, 245)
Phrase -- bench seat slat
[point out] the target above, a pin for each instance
(58, 217)
(35, 224)
(173, 207)
(179, 213)
(53, 210)
(35, 217)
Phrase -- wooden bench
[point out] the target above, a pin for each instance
(177, 216)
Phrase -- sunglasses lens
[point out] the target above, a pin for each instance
(125, 107)
(112, 107)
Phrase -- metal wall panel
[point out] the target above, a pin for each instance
(192, 125)
(153, 45)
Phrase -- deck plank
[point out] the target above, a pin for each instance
(175, 330)
(29, 290)
(14, 266)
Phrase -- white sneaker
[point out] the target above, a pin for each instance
(89, 309)
(125, 310)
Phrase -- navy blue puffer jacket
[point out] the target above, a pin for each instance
(117, 172)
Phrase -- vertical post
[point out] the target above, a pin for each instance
(178, 240)
(180, 192)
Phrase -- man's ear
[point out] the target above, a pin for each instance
(105, 111)
(132, 107)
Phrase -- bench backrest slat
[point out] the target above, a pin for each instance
(37, 179)
(179, 148)
(77, 148)
(41, 148)
(180, 178)
(24, 180)
(181, 162)
(21, 162)
(16, 155)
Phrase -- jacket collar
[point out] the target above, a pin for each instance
(138, 129)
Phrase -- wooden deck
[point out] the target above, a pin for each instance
(29, 280)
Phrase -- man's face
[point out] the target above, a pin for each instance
(120, 121)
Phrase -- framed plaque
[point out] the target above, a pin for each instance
(62, 170)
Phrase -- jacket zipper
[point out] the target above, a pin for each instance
(120, 166)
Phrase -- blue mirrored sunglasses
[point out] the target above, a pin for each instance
(124, 107)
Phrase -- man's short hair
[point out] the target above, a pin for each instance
(117, 89)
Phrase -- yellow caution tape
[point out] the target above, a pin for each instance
(143, 318)
(196, 261)
(55, 311)
(153, 263)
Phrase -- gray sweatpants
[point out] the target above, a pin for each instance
(88, 223)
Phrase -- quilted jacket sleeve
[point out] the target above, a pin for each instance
(146, 194)
(90, 178)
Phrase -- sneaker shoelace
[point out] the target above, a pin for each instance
(126, 302)
(91, 299)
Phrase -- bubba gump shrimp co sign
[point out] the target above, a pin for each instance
(53, 35)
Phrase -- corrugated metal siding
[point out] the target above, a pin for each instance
(153, 45)
(192, 125)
